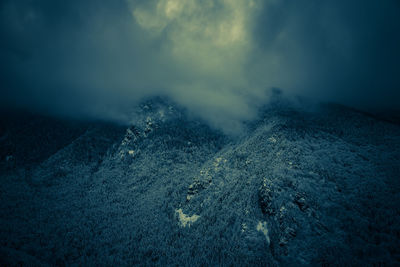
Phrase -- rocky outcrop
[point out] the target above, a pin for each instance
(299, 188)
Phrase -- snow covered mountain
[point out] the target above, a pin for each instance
(300, 187)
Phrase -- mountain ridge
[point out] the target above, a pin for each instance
(300, 187)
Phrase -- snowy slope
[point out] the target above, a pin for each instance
(300, 187)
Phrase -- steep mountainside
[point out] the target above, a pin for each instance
(300, 187)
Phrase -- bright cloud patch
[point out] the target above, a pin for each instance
(208, 44)
(210, 37)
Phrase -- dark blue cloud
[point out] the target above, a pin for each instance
(346, 50)
(87, 57)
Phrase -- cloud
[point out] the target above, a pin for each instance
(215, 57)
(331, 50)
(207, 45)
(86, 57)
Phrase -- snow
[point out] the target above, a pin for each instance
(262, 227)
(330, 189)
(186, 220)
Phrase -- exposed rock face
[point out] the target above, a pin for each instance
(301, 202)
(300, 188)
(265, 197)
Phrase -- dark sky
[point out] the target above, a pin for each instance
(216, 57)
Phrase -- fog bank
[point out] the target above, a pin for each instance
(217, 58)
